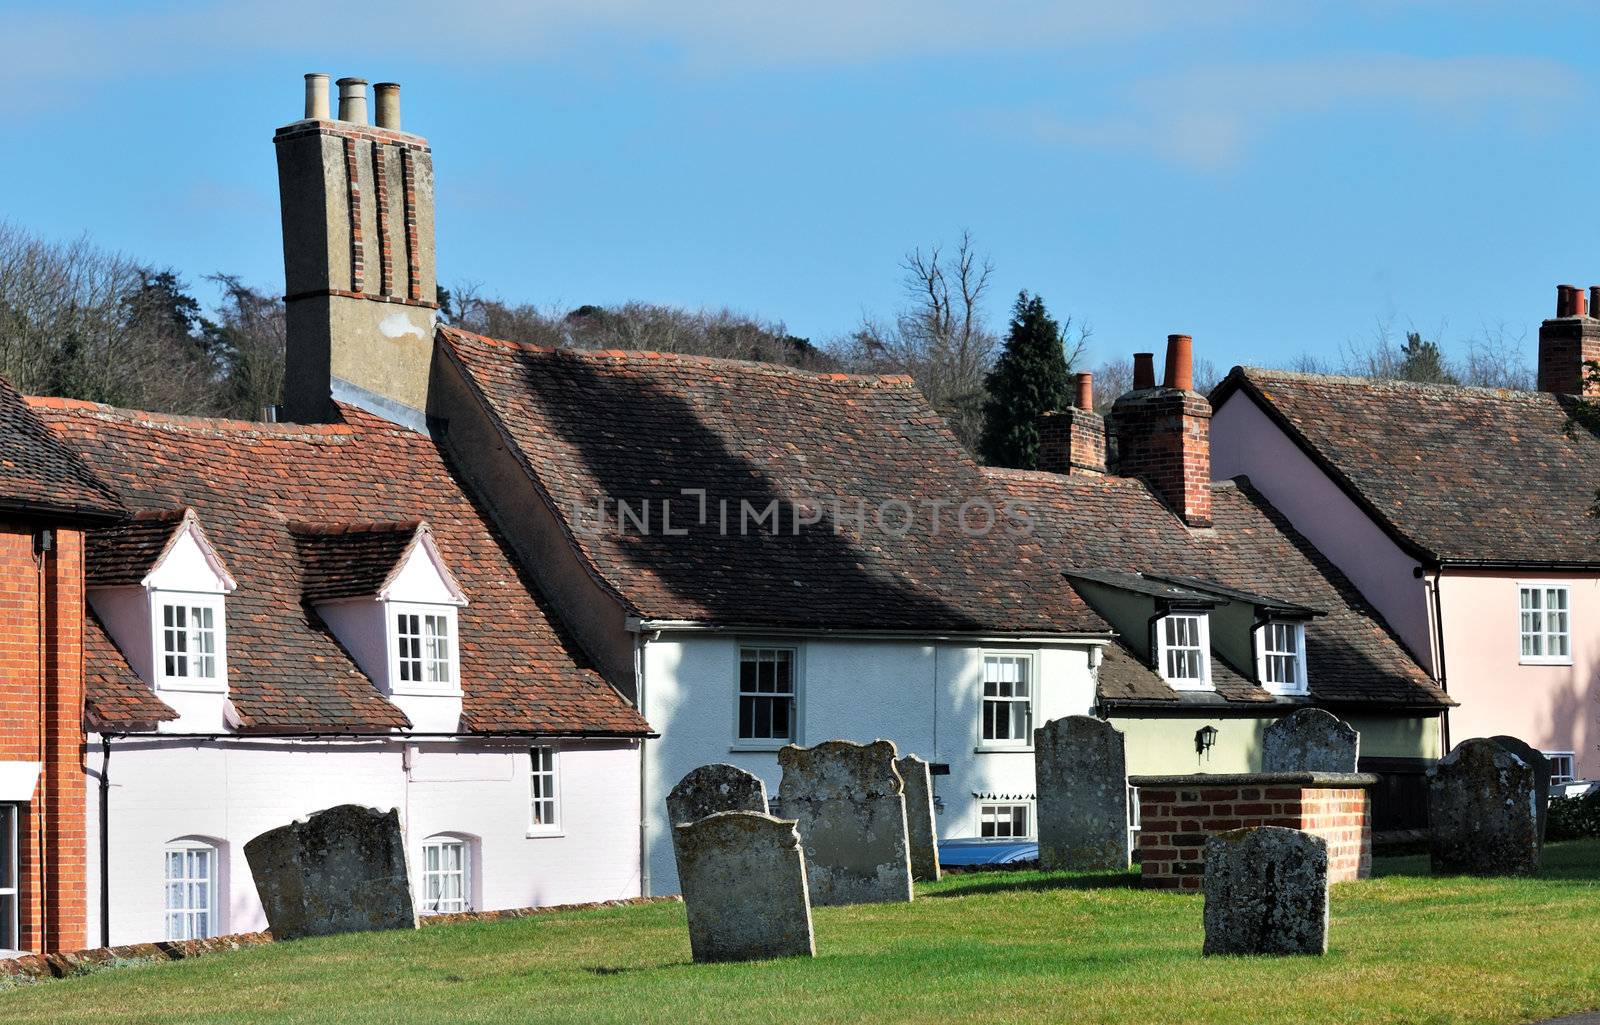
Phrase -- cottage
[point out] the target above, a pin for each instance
(1462, 515)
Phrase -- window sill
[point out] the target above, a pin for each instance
(1189, 685)
(993, 749)
(425, 692)
(541, 834)
(759, 747)
(1281, 692)
(186, 687)
(1545, 660)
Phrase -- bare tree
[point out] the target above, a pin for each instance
(247, 341)
(940, 337)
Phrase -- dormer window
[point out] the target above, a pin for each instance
(1281, 657)
(1183, 650)
(189, 640)
(385, 592)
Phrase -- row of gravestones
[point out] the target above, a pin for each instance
(861, 830)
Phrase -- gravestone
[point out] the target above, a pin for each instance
(713, 788)
(921, 831)
(849, 805)
(744, 887)
(1310, 740)
(1482, 812)
(1081, 788)
(342, 869)
(1541, 774)
(1266, 892)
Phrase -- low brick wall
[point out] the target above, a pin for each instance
(1177, 813)
(59, 966)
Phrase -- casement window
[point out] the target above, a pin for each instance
(191, 873)
(190, 642)
(1546, 624)
(8, 877)
(544, 792)
(766, 696)
(1183, 650)
(1563, 768)
(424, 648)
(1008, 692)
(446, 875)
(1281, 657)
(1005, 821)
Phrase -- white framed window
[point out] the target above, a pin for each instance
(446, 875)
(190, 640)
(544, 791)
(1005, 821)
(1008, 695)
(8, 878)
(1545, 627)
(767, 696)
(424, 656)
(191, 877)
(1563, 766)
(1281, 657)
(1183, 650)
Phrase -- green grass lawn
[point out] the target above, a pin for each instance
(1013, 947)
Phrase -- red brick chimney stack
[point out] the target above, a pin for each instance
(1570, 340)
(1164, 434)
(1074, 440)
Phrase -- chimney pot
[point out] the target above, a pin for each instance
(316, 97)
(1579, 303)
(1594, 300)
(1144, 370)
(1085, 396)
(388, 103)
(353, 100)
(1180, 363)
(1564, 300)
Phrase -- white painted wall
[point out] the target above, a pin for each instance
(232, 790)
(1245, 441)
(924, 696)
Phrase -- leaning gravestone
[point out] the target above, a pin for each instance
(849, 803)
(921, 831)
(342, 869)
(710, 789)
(1310, 740)
(744, 887)
(1081, 786)
(1541, 774)
(1482, 812)
(1266, 892)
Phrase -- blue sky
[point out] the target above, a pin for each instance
(1270, 177)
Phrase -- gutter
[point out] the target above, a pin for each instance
(1551, 567)
(327, 735)
(639, 625)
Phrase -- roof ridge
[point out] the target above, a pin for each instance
(1354, 380)
(148, 418)
(692, 359)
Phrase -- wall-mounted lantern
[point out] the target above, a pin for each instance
(1204, 739)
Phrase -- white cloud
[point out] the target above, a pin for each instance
(1208, 118)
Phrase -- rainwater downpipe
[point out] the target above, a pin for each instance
(1444, 685)
(639, 642)
(105, 839)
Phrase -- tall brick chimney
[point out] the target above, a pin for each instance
(1164, 436)
(358, 257)
(1568, 341)
(1074, 440)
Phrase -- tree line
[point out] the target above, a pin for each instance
(79, 321)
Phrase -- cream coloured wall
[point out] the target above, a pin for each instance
(1552, 707)
(1166, 746)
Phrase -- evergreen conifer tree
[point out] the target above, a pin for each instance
(1029, 378)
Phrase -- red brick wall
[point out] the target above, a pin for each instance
(1565, 345)
(1164, 437)
(1176, 821)
(1072, 441)
(41, 714)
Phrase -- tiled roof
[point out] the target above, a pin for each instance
(124, 553)
(1119, 523)
(38, 474)
(355, 560)
(1455, 473)
(641, 426)
(251, 484)
(114, 696)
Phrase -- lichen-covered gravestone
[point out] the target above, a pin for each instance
(342, 869)
(849, 803)
(1541, 774)
(1081, 788)
(744, 887)
(1266, 892)
(921, 831)
(1310, 740)
(1482, 812)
